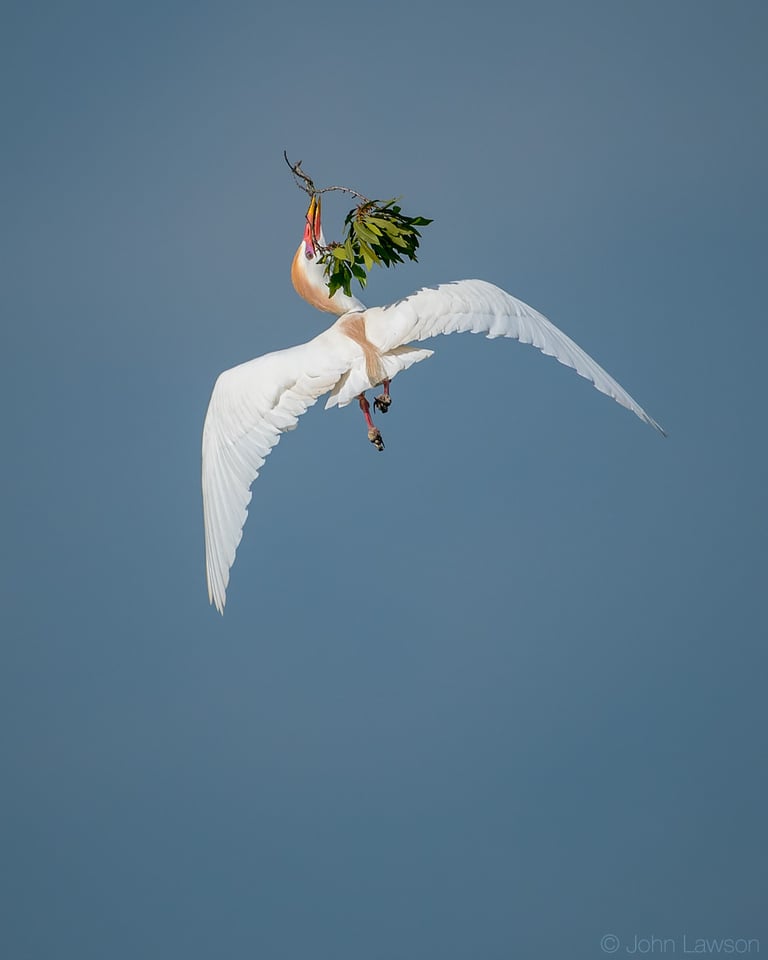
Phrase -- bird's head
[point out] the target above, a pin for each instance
(308, 272)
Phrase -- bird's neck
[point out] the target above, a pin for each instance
(309, 281)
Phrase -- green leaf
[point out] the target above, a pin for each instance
(363, 232)
(377, 233)
(369, 257)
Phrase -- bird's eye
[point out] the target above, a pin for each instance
(308, 254)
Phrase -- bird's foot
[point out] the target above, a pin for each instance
(374, 435)
(382, 403)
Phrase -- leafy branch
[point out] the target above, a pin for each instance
(377, 233)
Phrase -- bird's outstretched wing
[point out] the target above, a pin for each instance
(475, 306)
(251, 405)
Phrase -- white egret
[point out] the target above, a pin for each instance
(254, 403)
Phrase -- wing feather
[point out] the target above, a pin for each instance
(250, 407)
(475, 306)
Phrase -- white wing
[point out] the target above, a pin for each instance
(251, 405)
(474, 306)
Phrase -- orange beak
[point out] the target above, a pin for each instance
(312, 229)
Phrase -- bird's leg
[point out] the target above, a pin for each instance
(373, 433)
(382, 403)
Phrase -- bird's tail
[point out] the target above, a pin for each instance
(356, 379)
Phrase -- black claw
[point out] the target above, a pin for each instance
(382, 403)
(375, 437)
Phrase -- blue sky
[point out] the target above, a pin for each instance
(497, 691)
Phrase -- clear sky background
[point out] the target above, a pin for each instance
(495, 692)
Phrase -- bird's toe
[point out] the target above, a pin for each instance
(374, 436)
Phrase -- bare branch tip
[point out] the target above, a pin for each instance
(307, 185)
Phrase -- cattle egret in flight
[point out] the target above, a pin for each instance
(254, 403)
